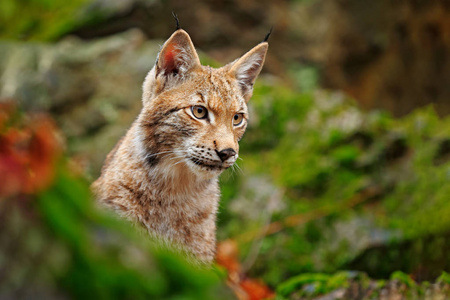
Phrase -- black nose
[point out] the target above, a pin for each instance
(225, 154)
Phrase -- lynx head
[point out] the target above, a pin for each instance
(194, 115)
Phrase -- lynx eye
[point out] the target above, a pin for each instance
(200, 112)
(237, 119)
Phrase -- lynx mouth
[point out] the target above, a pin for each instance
(202, 164)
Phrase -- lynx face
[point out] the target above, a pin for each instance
(194, 115)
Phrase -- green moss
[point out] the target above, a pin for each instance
(403, 278)
(445, 278)
(325, 153)
(39, 19)
(314, 284)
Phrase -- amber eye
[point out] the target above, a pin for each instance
(237, 119)
(200, 112)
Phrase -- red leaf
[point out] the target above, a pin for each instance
(29, 149)
(244, 288)
(256, 290)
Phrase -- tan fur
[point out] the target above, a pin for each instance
(164, 173)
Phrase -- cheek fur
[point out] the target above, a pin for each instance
(163, 133)
(239, 133)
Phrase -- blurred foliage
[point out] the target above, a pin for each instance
(40, 19)
(350, 181)
(123, 264)
(55, 243)
(320, 283)
(354, 285)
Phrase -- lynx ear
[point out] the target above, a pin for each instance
(247, 68)
(177, 55)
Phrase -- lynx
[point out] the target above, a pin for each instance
(163, 174)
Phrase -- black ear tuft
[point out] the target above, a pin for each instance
(176, 19)
(267, 35)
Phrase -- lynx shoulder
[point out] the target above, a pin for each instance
(163, 174)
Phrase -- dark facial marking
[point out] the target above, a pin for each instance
(205, 165)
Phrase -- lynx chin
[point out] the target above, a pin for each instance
(163, 174)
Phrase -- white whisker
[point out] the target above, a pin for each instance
(238, 168)
(233, 171)
(178, 162)
(179, 154)
(154, 154)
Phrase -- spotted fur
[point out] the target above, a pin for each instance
(163, 174)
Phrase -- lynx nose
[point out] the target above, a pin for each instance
(225, 154)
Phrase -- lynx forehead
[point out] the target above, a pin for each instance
(163, 172)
